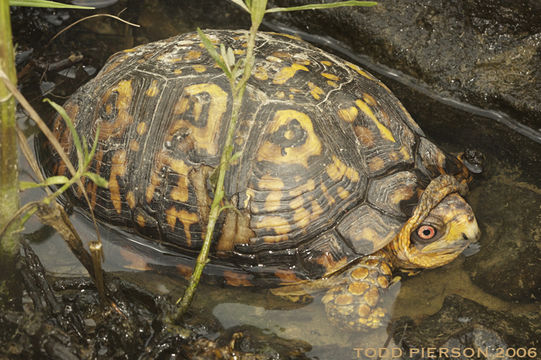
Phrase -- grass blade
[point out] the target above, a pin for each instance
(322, 6)
(46, 4)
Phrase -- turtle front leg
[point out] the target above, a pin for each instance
(356, 303)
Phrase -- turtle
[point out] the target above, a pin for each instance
(335, 186)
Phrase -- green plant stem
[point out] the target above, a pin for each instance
(9, 189)
(219, 193)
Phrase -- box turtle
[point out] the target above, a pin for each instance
(335, 188)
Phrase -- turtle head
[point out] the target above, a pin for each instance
(442, 226)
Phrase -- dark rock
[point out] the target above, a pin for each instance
(467, 328)
(485, 53)
(508, 265)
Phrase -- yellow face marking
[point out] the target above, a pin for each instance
(141, 128)
(295, 154)
(185, 217)
(287, 73)
(260, 73)
(359, 70)
(130, 198)
(140, 220)
(199, 68)
(206, 137)
(330, 76)
(385, 133)
(316, 91)
(134, 145)
(118, 168)
(326, 63)
(348, 114)
(123, 119)
(153, 89)
(192, 55)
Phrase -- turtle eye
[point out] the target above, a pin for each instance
(426, 232)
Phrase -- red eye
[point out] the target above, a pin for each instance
(426, 232)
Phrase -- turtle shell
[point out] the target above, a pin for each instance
(330, 161)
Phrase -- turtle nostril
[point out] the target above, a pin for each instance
(464, 236)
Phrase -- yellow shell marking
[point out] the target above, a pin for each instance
(268, 182)
(309, 185)
(332, 83)
(336, 169)
(185, 217)
(141, 128)
(134, 145)
(130, 198)
(287, 73)
(369, 99)
(118, 168)
(330, 76)
(204, 137)
(343, 193)
(294, 154)
(386, 133)
(302, 217)
(192, 55)
(279, 224)
(326, 63)
(123, 119)
(153, 89)
(199, 68)
(260, 73)
(359, 70)
(348, 114)
(140, 220)
(272, 202)
(180, 191)
(316, 91)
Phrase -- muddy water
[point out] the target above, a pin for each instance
(502, 274)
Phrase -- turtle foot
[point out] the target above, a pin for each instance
(357, 304)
